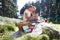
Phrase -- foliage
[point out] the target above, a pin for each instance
(40, 37)
(53, 34)
(9, 27)
(5, 32)
(6, 36)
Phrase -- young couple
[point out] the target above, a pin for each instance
(29, 13)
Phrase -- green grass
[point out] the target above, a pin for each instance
(9, 28)
(56, 26)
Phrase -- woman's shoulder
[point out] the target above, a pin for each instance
(26, 10)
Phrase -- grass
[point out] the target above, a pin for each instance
(9, 28)
(48, 34)
(56, 26)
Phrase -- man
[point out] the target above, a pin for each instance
(29, 13)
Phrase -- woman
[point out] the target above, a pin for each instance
(27, 17)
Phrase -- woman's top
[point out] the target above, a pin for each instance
(28, 14)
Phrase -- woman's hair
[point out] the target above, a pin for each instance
(32, 6)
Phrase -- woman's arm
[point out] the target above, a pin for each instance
(26, 15)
